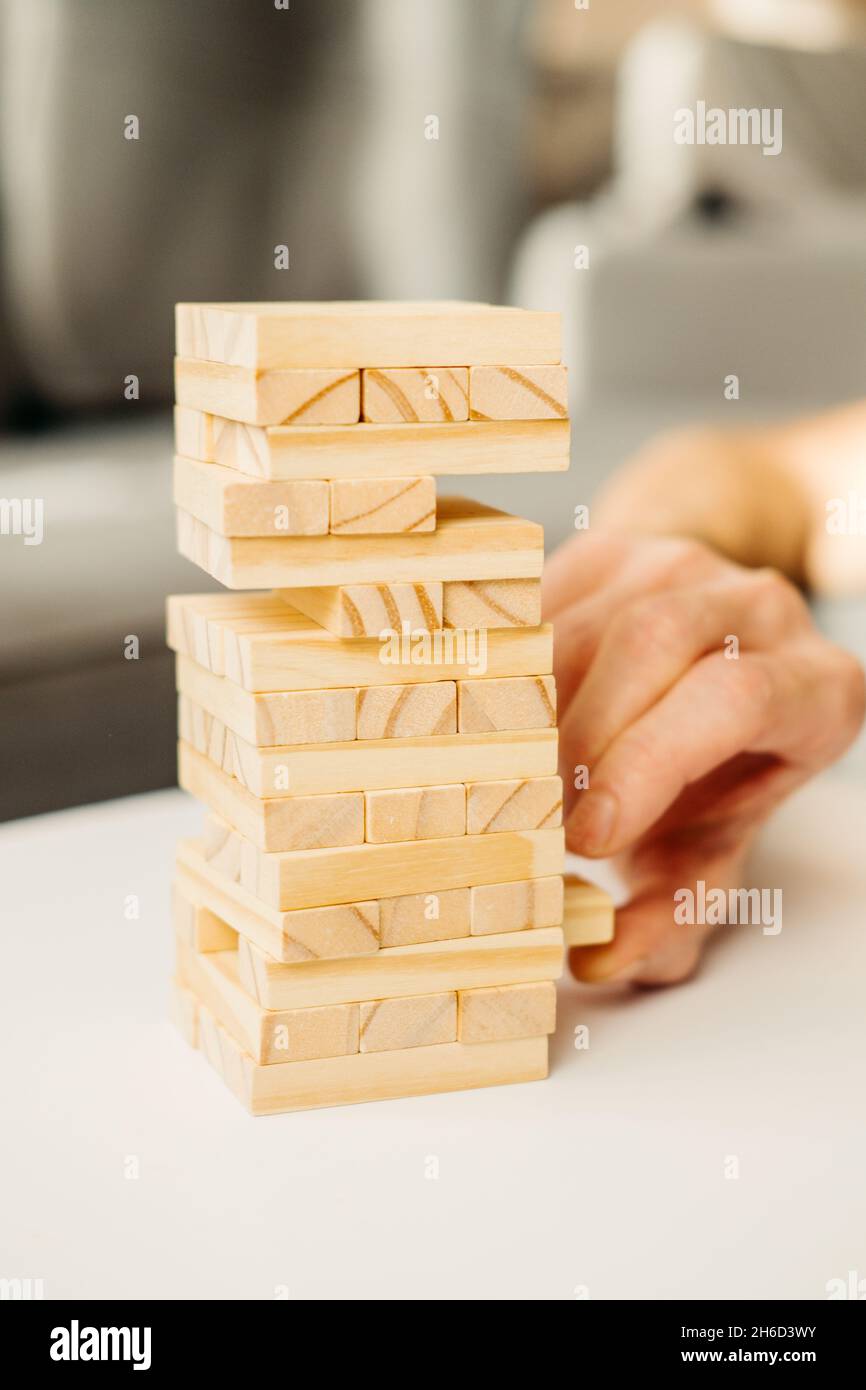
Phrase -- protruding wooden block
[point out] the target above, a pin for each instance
(589, 914)
(415, 917)
(232, 505)
(492, 603)
(195, 924)
(279, 396)
(510, 907)
(367, 610)
(382, 506)
(390, 395)
(421, 1021)
(183, 1011)
(520, 703)
(415, 813)
(407, 711)
(506, 1011)
(528, 804)
(518, 393)
(290, 716)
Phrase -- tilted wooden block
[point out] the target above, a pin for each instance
(528, 804)
(521, 703)
(589, 914)
(499, 907)
(263, 645)
(183, 1011)
(415, 813)
(470, 542)
(506, 1011)
(195, 924)
(518, 393)
(421, 1021)
(374, 333)
(379, 451)
(367, 610)
(407, 711)
(232, 505)
(492, 603)
(290, 716)
(417, 1071)
(299, 395)
(409, 394)
(415, 917)
(382, 506)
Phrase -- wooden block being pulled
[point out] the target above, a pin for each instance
(421, 1021)
(520, 703)
(294, 396)
(528, 804)
(367, 610)
(183, 1011)
(382, 506)
(415, 917)
(232, 505)
(415, 813)
(492, 603)
(290, 716)
(506, 1011)
(390, 395)
(518, 393)
(378, 451)
(588, 918)
(407, 711)
(499, 907)
(418, 1071)
(372, 333)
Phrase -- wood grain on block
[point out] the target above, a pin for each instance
(527, 804)
(382, 506)
(195, 924)
(367, 610)
(492, 603)
(299, 395)
(282, 823)
(506, 1011)
(373, 333)
(377, 451)
(390, 395)
(415, 813)
(318, 933)
(588, 918)
(183, 1011)
(418, 1071)
(469, 962)
(518, 393)
(499, 907)
(232, 505)
(261, 644)
(471, 541)
(415, 917)
(407, 711)
(420, 1021)
(520, 703)
(290, 716)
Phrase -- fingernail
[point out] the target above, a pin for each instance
(591, 823)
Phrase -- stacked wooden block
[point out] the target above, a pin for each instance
(375, 907)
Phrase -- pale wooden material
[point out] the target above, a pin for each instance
(415, 813)
(232, 505)
(382, 506)
(423, 1021)
(194, 923)
(507, 1011)
(183, 1011)
(518, 393)
(508, 907)
(263, 645)
(407, 711)
(372, 333)
(415, 917)
(470, 962)
(523, 703)
(367, 610)
(530, 804)
(382, 451)
(300, 395)
(492, 603)
(368, 1076)
(291, 716)
(471, 541)
(390, 395)
(588, 917)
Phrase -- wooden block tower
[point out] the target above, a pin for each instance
(375, 906)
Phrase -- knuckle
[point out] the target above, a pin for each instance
(777, 601)
(658, 621)
(851, 687)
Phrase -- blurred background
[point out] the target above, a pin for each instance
(553, 181)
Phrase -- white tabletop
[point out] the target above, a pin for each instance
(608, 1178)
